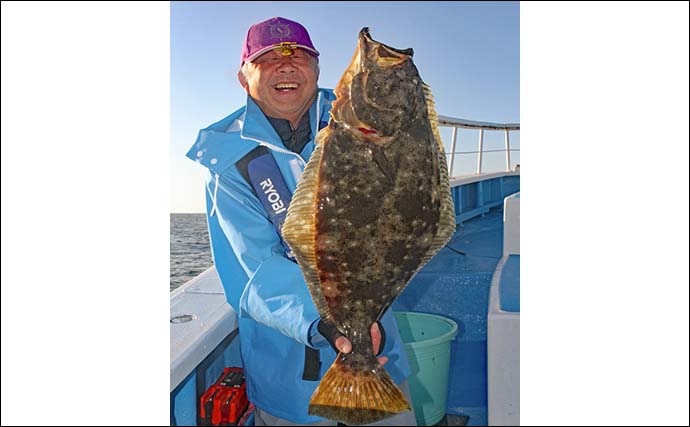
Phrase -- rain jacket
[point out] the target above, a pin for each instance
(276, 314)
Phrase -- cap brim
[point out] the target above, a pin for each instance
(260, 52)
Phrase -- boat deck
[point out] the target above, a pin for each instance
(456, 284)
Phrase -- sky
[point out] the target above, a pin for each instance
(467, 52)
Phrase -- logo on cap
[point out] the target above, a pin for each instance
(280, 31)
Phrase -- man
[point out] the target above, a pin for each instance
(254, 158)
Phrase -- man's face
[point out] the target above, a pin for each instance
(283, 86)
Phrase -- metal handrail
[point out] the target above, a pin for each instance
(485, 151)
(456, 123)
(471, 124)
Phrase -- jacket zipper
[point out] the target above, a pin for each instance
(280, 150)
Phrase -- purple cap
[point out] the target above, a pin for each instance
(275, 33)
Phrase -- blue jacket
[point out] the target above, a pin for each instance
(277, 317)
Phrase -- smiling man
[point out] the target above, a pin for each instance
(282, 76)
(254, 159)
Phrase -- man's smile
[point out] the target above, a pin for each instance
(286, 86)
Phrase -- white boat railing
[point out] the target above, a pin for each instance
(455, 124)
(503, 326)
(200, 319)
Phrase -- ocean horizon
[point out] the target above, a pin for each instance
(190, 250)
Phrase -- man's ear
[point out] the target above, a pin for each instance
(243, 80)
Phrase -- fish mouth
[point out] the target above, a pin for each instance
(378, 53)
(369, 54)
(383, 54)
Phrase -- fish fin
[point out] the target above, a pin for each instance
(356, 397)
(446, 226)
(299, 228)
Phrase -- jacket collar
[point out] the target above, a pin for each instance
(256, 126)
(223, 143)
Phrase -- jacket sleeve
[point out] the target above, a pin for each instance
(276, 294)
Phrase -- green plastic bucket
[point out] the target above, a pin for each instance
(426, 339)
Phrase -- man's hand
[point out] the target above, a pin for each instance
(342, 344)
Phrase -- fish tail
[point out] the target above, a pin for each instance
(356, 396)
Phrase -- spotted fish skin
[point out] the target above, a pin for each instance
(373, 207)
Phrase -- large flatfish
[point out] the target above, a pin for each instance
(373, 206)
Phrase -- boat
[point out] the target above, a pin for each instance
(473, 281)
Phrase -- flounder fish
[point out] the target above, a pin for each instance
(372, 207)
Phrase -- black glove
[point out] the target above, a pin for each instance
(331, 334)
